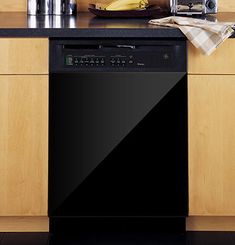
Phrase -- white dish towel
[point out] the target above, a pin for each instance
(204, 35)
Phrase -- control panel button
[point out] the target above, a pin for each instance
(92, 62)
(166, 56)
(119, 61)
(76, 61)
(102, 61)
(112, 61)
(69, 60)
(86, 62)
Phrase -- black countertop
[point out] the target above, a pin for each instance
(86, 25)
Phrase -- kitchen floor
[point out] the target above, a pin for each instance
(190, 238)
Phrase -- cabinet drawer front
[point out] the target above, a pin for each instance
(24, 56)
(220, 62)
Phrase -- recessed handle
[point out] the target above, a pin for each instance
(126, 46)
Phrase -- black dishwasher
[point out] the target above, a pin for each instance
(118, 132)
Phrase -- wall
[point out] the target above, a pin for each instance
(20, 5)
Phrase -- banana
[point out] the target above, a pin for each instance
(119, 5)
(101, 6)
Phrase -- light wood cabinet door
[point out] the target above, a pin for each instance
(212, 145)
(24, 56)
(23, 145)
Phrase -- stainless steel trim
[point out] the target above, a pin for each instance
(191, 7)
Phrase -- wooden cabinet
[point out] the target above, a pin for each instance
(24, 56)
(212, 145)
(220, 62)
(23, 129)
(13, 5)
(23, 145)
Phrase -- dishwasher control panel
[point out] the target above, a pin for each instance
(114, 55)
(118, 60)
(98, 61)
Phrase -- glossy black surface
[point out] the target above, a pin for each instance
(118, 144)
(87, 26)
(189, 238)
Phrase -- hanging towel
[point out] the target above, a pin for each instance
(204, 35)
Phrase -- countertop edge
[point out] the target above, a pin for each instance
(92, 33)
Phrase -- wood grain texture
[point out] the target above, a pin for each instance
(24, 56)
(210, 223)
(211, 145)
(226, 6)
(13, 5)
(21, 5)
(220, 62)
(24, 224)
(23, 145)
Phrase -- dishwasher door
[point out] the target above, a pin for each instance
(118, 144)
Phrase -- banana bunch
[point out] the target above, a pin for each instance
(119, 5)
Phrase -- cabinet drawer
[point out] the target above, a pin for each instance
(220, 62)
(24, 56)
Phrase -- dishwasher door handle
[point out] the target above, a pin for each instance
(126, 46)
